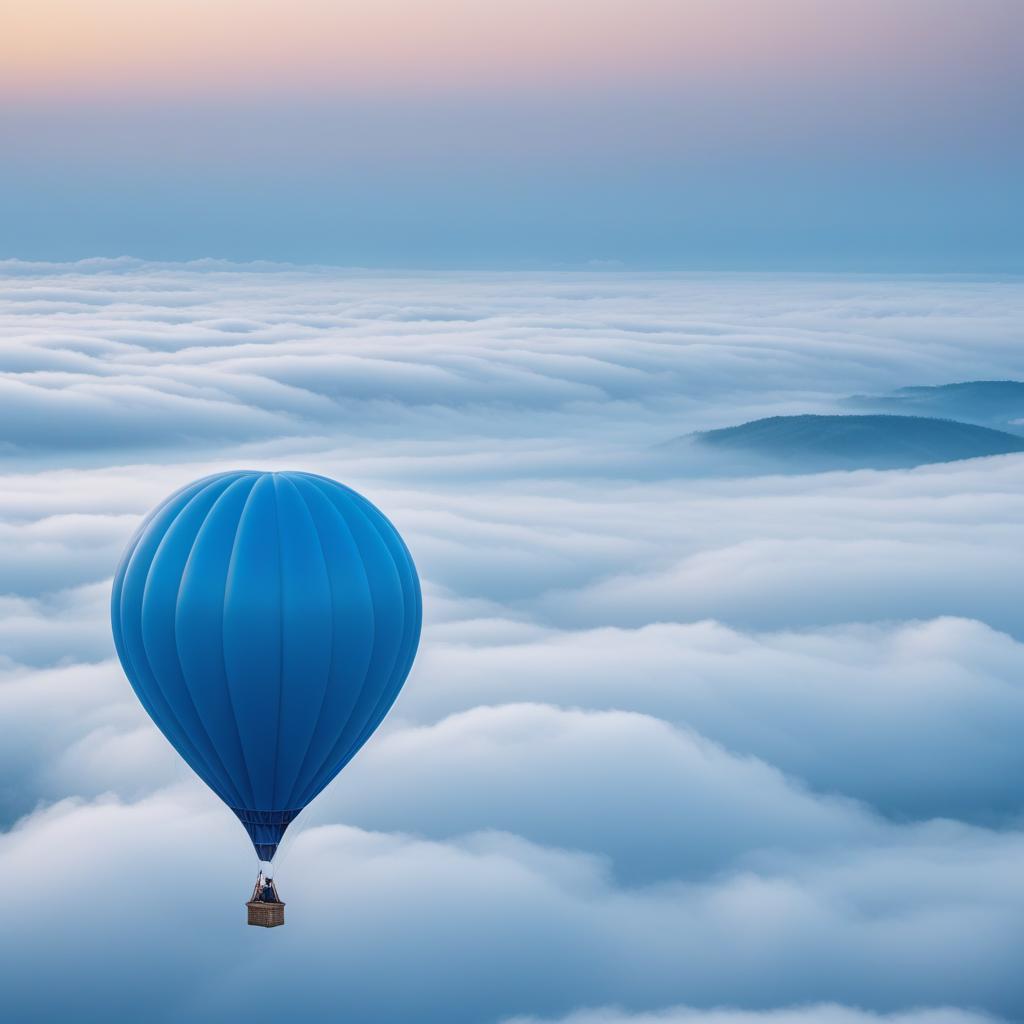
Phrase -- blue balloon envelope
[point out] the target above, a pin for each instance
(267, 622)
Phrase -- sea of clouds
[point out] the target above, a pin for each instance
(680, 747)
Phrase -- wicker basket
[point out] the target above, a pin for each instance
(265, 915)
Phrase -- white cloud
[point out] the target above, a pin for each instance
(827, 1013)
(150, 355)
(659, 802)
(917, 719)
(385, 926)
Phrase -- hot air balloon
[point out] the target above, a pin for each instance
(266, 622)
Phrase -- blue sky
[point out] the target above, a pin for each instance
(736, 135)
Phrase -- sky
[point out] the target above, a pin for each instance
(679, 747)
(690, 739)
(866, 135)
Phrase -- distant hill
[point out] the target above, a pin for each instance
(991, 402)
(815, 443)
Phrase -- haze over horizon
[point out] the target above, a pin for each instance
(711, 134)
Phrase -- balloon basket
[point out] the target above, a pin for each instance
(265, 907)
(265, 915)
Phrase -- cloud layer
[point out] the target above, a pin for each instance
(675, 741)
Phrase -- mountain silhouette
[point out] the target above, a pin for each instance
(989, 402)
(815, 443)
